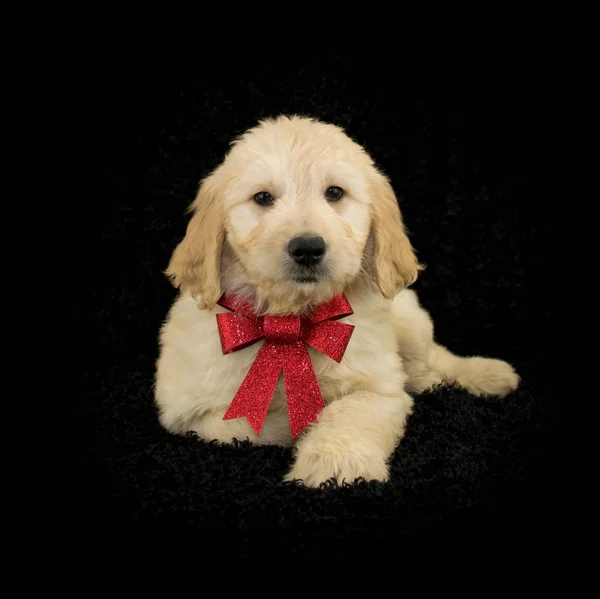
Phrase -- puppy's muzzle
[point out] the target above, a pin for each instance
(307, 251)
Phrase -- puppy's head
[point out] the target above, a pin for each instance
(296, 211)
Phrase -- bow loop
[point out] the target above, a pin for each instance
(330, 338)
(237, 331)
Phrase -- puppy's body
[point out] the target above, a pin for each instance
(234, 246)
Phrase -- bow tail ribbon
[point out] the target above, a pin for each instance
(256, 391)
(254, 396)
(304, 397)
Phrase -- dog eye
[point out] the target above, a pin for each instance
(264, 198)
(333, 194)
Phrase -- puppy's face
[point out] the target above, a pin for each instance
(297, 210)
(294, 205)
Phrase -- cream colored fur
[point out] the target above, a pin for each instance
(235, 245)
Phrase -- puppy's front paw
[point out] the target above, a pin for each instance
(316, 464)
(486, 376)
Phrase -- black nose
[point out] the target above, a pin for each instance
(307, 251)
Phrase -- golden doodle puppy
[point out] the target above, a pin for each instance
(293, 325)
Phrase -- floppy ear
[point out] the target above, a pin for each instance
(395, 264)
(195, 263)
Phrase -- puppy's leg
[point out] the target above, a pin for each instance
(427, 363)
(354, 437)
(210, 426)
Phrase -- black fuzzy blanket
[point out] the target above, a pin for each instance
(472, 469)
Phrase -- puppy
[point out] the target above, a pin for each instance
(296, 216)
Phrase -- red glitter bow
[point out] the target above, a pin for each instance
(284, 349)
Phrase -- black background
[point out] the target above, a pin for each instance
(463, 159)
